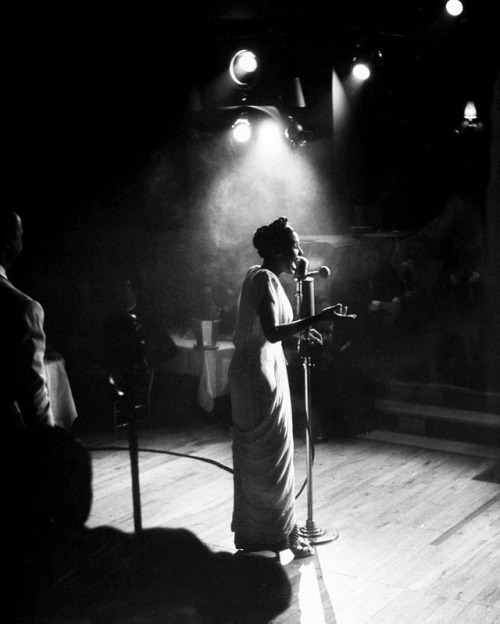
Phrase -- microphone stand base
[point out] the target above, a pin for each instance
(316, 534)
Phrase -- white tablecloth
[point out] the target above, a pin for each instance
(210, 364)
(60, 395)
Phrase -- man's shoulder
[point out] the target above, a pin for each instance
(12, 296)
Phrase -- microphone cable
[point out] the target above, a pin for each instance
(164, 452)
(214, 462)
(174, 453)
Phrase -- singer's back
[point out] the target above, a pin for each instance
(259, 283)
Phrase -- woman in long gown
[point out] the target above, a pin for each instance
(263, 446)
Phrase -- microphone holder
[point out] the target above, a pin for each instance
(305, 307)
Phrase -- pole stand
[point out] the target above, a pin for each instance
(134, 467)
(312, 531)
(131, 410)
(316, 534)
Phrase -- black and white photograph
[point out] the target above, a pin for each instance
(250, 312)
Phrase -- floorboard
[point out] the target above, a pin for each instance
(418, 527)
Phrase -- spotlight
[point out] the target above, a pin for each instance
(361, 71)
(363, 63)
(258, 127)
(470, 123)
(454, 7)
(470, 112)
(270, 133)
(242, 130)
(243, 69)
(295, 132)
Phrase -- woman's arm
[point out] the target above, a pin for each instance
(276, 333)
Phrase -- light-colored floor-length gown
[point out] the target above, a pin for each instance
(264, 480)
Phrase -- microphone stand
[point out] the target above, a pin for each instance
(305, 307)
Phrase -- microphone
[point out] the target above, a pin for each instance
(302, 269)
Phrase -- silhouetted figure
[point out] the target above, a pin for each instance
(46, 487)
(159, 345)
(124, 353)
(61, 571)
(124, 348)
(24, 400)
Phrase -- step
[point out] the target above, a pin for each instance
(436, 421)
(444, 395)
(448, 446)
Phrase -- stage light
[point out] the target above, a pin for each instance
(365, 59)
(242, 130)
(470, 112)
(295, 133)
(470, 123)
(264, 127)
(454, 7)
(243, 69)
(270, 133)
(361, 71)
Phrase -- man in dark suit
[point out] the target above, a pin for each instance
(24, 400)
(26, 421)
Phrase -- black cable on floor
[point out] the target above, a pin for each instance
(186, 455)
(197, 457)
(146, 450)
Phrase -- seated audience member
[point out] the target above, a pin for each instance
(124, 355)
(124, 347)
(158, 342)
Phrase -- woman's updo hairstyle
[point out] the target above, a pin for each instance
(272, 238)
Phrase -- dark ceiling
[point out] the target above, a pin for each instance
(96, 87)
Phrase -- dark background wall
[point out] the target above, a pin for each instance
(107, 167)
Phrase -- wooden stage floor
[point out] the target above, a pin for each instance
(418, 520)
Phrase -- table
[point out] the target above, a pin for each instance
(60, 395)
(210, 364)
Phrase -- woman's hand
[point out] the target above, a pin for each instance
(335, 311)
(343, 313)
(315, 336)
